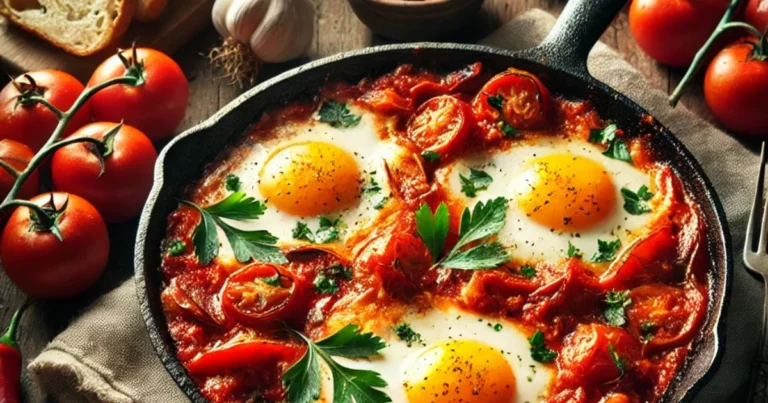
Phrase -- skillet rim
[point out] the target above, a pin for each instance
(536, 55)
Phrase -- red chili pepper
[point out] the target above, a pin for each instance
(10, 362)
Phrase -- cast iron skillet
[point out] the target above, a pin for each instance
(560, 61)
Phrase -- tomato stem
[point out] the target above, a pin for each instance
(8, 168)
(42, 101)
(9, 338)
(702, 53)
(54, 142)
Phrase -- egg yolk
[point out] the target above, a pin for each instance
(310, 179)
(460, 371)
(566, 192)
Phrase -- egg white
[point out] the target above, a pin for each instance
(362, 142)
(435, 326)
(529, 240)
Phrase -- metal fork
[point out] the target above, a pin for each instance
(756, 260)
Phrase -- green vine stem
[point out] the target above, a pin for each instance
(55, 142)
(723, 26)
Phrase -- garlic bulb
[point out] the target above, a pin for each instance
(275, 30)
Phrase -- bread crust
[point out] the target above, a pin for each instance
(149, 10)
(118, 28)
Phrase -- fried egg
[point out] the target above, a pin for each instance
(559, 191)
(458, 357)
(316, 171)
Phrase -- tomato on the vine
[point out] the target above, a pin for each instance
(60, 263)
(31, 123)
(17, 155)
(156, 106)
(756, 14)
(673, 31)
(119, 192)
(736, 87)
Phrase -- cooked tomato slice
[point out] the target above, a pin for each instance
(386, 101)
(665, 316)
(524, 101)
(586, 358)
(441, 124)
(260, 294)
(464, 79)
(242, 355)
(648, 260)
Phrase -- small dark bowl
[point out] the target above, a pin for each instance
(415, 20)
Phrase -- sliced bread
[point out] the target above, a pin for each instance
(80, 27)
(148, 10)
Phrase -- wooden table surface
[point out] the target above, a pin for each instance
(337, 30)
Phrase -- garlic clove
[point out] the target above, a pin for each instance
(243, 17)
(219, 16)
(285, 32)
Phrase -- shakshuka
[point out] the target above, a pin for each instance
(424, 237)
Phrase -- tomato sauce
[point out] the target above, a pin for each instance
(664, 272)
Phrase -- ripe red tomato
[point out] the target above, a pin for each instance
(18, 156)
(672, 31)
(32, 124)
(736, 89)
(43, 266)
(156, 107)
(441, 124)
(120, 192)
(260, 294)
(517, 97)
(756, 14)
(590, 353)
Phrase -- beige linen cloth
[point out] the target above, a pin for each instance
(105, 354)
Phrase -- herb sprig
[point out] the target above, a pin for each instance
(478, 180)
(337, 115)
(539, 350)
(615, 304)
(637, 203)
(606, 251)
(617, 148)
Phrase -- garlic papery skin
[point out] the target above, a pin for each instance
(275, 30)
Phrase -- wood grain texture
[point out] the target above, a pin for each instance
(181, 20)
(336, 30)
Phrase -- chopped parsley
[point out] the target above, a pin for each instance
(574, 251)
(431, 156)
(539, 350)
(615, 304)
(647, 330)
(232, 183)
(274, 281)
(372, 186)
(497, 102)
(380, 204)
(637, 203)
(617, 360)
(617, 148)
(326, 280)
(497, 327)
(177, 247)
(328, 231)
(303, 379)
(527, 271)
(406, 334)
(337, 115)
(478, 180)
(606, 251)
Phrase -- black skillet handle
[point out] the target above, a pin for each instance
(575, 33)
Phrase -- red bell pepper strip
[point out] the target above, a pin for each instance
(10, 362)
(241, 355)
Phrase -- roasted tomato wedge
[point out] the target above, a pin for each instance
(651, 259)
(517, 97)
(665, 316)
(259, 294)
(243, 355)
(441, 124)
(590, 354)
(387, 101)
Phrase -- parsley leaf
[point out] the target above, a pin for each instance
(606, 251)
(232, 183)
(483, 256)
(615, 302)
(337, 115)
(380, 204)
(431, 156)
(617, 360)
(302, 380)
(574, 251)
(373, 186)
(406, 334)
(508, 130)
(324, 284)
(433, 228)
(539, 350)
(247, 245)
(327, 232)
(478, 180)
(238, 206)
(177, 247)
(496, 101)
(637, 203)
(527, 271)
(617, 148)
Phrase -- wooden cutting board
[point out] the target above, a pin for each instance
(180, 21)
